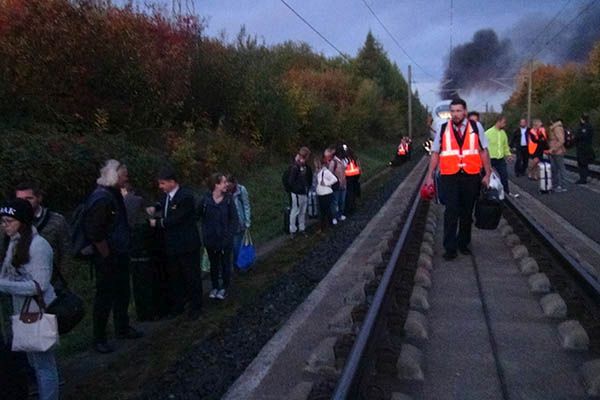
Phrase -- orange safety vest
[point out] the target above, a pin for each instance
(532, 146)
(402, 150)
(352, 169)
(453, 158)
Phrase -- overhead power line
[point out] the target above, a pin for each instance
(314, 30)
(590, 4)
(396, 41)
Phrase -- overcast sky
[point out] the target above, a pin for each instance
(422, 27)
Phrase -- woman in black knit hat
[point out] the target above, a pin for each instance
(26, 260)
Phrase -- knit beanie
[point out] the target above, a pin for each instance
(18, 209)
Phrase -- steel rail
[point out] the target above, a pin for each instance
(349, 380)
(588, 282)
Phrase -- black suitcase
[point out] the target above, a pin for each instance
(488, 210)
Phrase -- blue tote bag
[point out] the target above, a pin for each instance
(247, 254)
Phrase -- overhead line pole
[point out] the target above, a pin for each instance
(409, 101)
(529, 88)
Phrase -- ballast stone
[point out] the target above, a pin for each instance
(573, 336)
(427, 249)
(322, 358)
(539, 283)
(591, 376)
(425, 261)
(410, 363)
(342, 320)
(554, 306)
(519, 252)
(428, 237)
(512, 240)
(301, 391)
(423, 278)
(528, 266)
(419, 299)
(506, 230)
(415, 326)
(356, 295)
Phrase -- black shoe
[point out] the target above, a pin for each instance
(449, 256)
(103, 347)
(130, 333)
(465, 250)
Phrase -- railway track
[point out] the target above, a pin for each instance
(374, 365)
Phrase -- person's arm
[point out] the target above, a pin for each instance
(246, 205)
(436, 147)
(487, 166)
(98, 221)
(507, 152)
(40, 269)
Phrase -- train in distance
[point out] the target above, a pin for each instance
(440, 114)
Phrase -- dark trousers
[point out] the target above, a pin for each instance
(500, 165)
(522, 160)
(584, 171)
(112, 294)
(325, 214)
(185, 281)
(220, 264)
(460, 192)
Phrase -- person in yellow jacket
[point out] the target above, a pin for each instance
(460, 150)
(499, 150)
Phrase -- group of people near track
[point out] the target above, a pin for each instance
(123, 237)
(464, 155)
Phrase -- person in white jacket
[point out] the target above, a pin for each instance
(325, 182)
(27, 260)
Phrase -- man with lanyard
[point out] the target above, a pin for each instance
(519, 143)
(460, 151)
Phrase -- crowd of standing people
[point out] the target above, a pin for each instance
(122, 236)
(330, 192)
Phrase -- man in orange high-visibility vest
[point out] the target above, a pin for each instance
(460, 150)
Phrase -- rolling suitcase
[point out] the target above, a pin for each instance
(545, 177)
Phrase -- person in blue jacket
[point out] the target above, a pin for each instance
(241, 200)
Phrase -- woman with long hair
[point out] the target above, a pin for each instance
(26, 259)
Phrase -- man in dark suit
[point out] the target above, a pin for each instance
(518, 143)
(182, 244)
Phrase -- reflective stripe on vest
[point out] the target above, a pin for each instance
(454, 158)
(352, 169)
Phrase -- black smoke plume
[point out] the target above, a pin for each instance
(473, 64)
(567, 37)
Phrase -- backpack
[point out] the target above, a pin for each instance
(285, 179)
(81, 246)
(569, 138)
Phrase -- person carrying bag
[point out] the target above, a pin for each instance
(247, 253)
(26, 260)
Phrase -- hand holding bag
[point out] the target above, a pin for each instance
(68, 307)
(34, 332)
(247, 254)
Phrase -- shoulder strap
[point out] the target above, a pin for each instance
(44, 221)
(474, 126)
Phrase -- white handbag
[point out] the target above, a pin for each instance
(34, 332)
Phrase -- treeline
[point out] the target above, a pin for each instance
(560, 92)
(80, 82)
